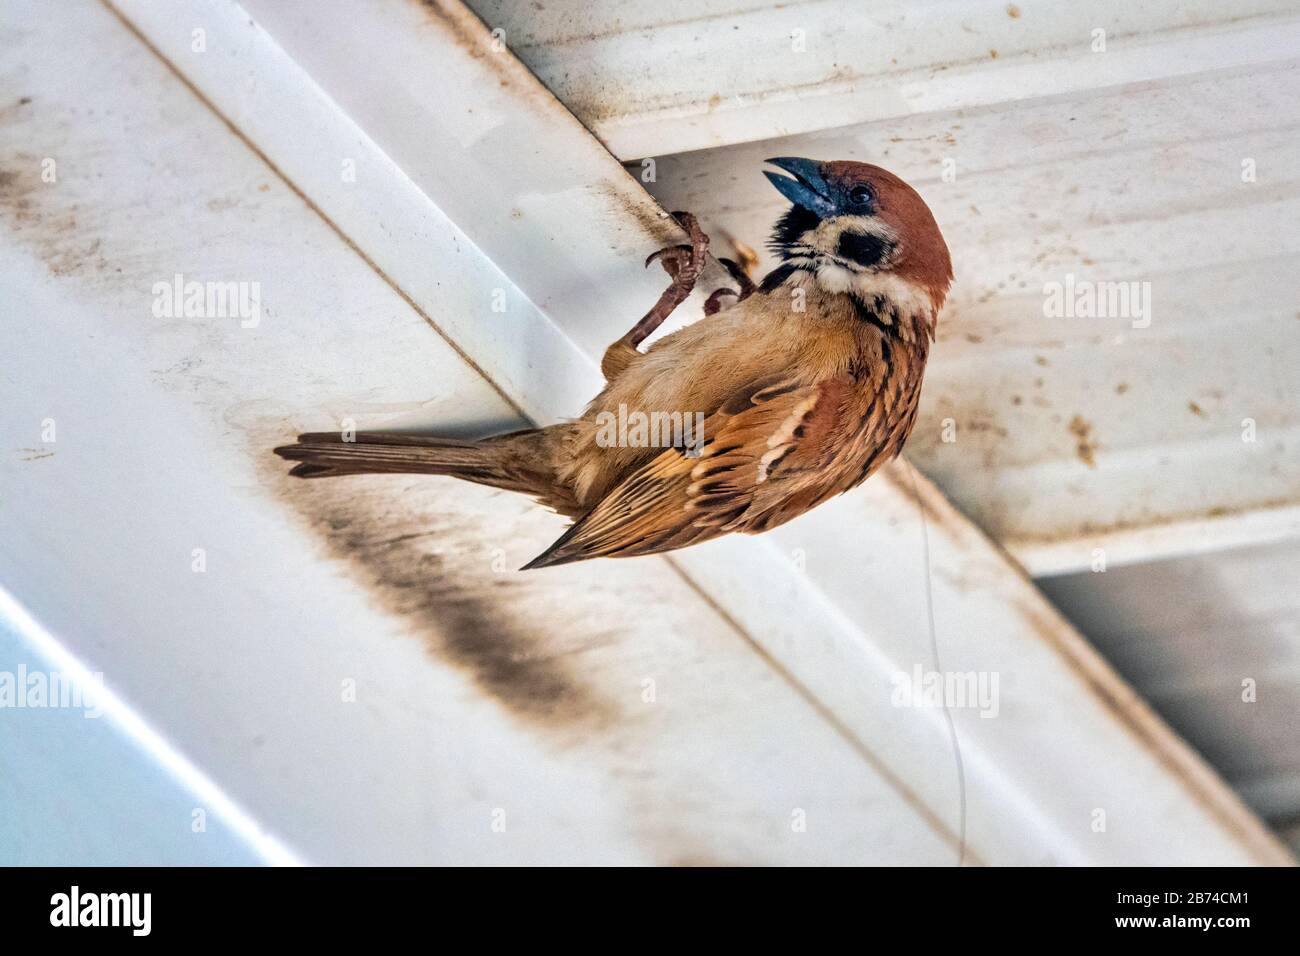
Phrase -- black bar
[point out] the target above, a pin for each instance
(331, 906)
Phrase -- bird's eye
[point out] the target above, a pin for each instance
(860, 195)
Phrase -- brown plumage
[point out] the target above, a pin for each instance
(805, 386)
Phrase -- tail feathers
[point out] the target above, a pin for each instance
(326, 454)
(515, 462)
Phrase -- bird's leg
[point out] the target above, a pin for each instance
(684, 264)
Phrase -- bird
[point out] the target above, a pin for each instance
(804, 385)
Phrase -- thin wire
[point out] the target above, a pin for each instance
(938, 669)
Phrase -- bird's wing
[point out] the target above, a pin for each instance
(764, 461)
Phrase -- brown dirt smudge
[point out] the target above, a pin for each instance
(432, 567)
(1086, 445)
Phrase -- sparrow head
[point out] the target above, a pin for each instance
(860, 229)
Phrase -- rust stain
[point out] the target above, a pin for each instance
(1013, 11)
(1086, 445)
(1196, 409)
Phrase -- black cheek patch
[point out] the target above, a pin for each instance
(864, 250)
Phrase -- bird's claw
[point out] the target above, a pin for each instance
(671, 257)
(684, 263)
(737, 272)
(713, 304)
(684, 259)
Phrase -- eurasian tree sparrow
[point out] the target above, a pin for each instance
(806, 385)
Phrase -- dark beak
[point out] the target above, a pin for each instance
(808, 188)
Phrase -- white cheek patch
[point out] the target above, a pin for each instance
(834, 277)
(910, 298)
(826, 237)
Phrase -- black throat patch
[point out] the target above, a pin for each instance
(789, 228)
(776, 278)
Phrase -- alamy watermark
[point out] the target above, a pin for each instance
(954, 690)
(181, 299)
(132, 911)
(1088, 299)
(36, 690)
(637, 429)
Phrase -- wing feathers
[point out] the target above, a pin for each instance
(767, 444)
